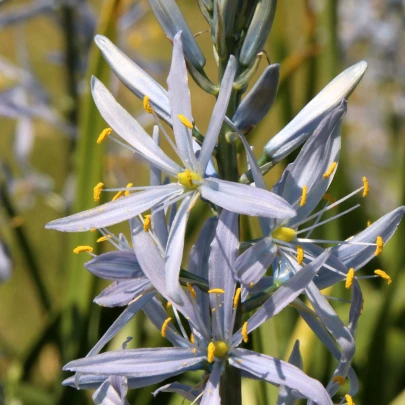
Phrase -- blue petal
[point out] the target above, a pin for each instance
(211, 393)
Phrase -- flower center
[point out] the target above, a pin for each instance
(221, 348)
(186, 178)
(283, 233)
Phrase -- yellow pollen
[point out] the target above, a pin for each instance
(245, 332)
(210, 352)
(127, 193)
(330, 170)
(103, 238)
(146, 105)
(304, 196)
(251, 284)
(300, 255)
(118, 195)
(147, 223)
(191, 290)
(192, 340)
(168, 305)
(339, 379)
(221, 348)
(93, 229)
(349, 278)
(366, 186)
(213, 310)
(164, 326)
(186, 178)
(97, 191)
(104, 135)
(383, 275)
(236, 298)
(329, 198)
(349, 400)
(284, 234)
(185, 121)
(368, 223)
(216, 291)
(80, 249)
(195, 350)
(380, 244)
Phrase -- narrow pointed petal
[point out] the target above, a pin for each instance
(174, 250)
(116, 211)
(218, 114)
(129, 129)
(259, 100)
(224, 251)
(138, 362)
(180, 104)
(135, 78)
(279, 372)
(244, 199)
(254, 262)
(314, 159)
(111, 392)
(211, 393)
(186, 391)
(286, 294)
(172, 21)
(301, 127)
(117, 265)
(122, 292)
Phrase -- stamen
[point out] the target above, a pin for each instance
(97, 191)
(366, 187)
(251, 284)
(192, 340)
(164, 326)
(191, 290)
(349, 278)
(368, 223)
(168, 305)
(284, 234)
(80, 249)
(328, 172)
(383, 275)
(211, 352)
(216, 290)
(103, 238)
(380, 244)
(118, 195)
(129, 185)
(185, 121)
(304, 196)
(146, 105)
(245, 332)
(236, 297)
(339, 379)
(328, 198)
(104, 134)
(147, 223)
(186, 178)
(349, 399)
(300, 255)
(93, 229)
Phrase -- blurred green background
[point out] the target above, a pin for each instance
(49, 167)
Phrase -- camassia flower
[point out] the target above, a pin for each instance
(191, 181)
(211, 315)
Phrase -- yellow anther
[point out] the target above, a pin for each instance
(328, 198)
(366, 186)
(211, 352)
(216, 291)
(368, 223)
(192, 340)
(339, 379)
(380, 244)
(118, 195)
(104, 135)
(146, 105)
(93, 229)
(97, 191)
(251, 284)
(164, 326)
(147, 223)
(195, 350)
(349, 400)
(300, 255)
(303, 196)
(284, 234)
(127, 193)
(186, 178)
(383, 275)
(349, 278)
(80, 249)
(168, 305)
(221, 348)
(213, 310)
(328, 172)
(191, 290)
(103, 238)
(245, 332)
(185, 121)
(236, 298)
